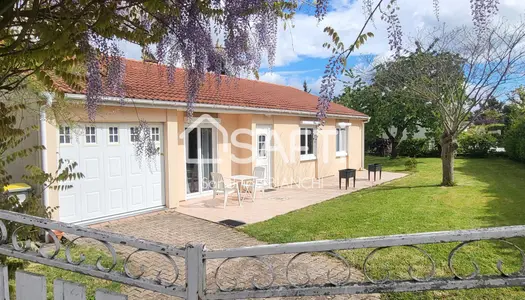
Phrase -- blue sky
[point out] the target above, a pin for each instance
(300, 55)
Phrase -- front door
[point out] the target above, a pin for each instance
(262, 152)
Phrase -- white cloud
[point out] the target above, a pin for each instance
(298, 72)
(273, 78)
(284, 78)
(306, 38)
(296, 81)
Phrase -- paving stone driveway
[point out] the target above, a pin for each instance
(179, 229)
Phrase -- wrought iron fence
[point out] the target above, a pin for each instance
(340, 282)
(48, 254)
(279, 270)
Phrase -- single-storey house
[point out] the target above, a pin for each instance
(236, 125)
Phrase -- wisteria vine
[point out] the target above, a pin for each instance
(144, 143)
(226, 37)
(103, 57)
(482, 12)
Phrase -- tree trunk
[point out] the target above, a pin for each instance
(394, 140)
(448, 151)
(393, 145)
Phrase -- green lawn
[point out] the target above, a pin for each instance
(489, 192)
(91, 283)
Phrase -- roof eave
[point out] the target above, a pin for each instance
(204, 107)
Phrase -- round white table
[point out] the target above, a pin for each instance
(241, 179)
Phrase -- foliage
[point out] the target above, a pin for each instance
(77, 43)
(490, 113)
(498, 131)
(415, 203)
(514, 110)
(411, 164)
(394, 111)
(482, 13)
(11, 151)
(31, 206)
(514, 140)
(476, 142)
(495, 126)
(86, 33)
(378, 146)
(459, 70)
(415, 147)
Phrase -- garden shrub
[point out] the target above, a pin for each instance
(495, 127)
(415, 147)
(476, 142)
(515, 141)
(497, 130)
(411, 164)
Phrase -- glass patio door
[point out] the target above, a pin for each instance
(201, 152)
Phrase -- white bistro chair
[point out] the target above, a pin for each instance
(258, 183)
(220, 187)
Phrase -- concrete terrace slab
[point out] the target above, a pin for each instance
(278, 201)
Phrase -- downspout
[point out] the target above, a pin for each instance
(43, 141)
(363, 144)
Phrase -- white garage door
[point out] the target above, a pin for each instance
(115, 182)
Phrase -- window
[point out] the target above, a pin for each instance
(307, 144)
(91, 136)
(113, 135)
(155, 134)
(340, 142)
(261, 146)
(133, 134)
(65, 134)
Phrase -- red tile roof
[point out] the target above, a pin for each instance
(149, 81)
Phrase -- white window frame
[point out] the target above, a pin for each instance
(92, 136)
(308, 156)
(112, 135)
(341, 136)
(62, 134)
(133, 134)
(215, 149)
(155, 134)
(263, 149)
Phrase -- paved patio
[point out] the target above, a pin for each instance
(178, 229)
(278, 201)
(191, 223)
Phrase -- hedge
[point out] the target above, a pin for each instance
(515, 141)
(417, 147)
(476, 142)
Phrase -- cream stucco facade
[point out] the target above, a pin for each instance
(286, 164)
